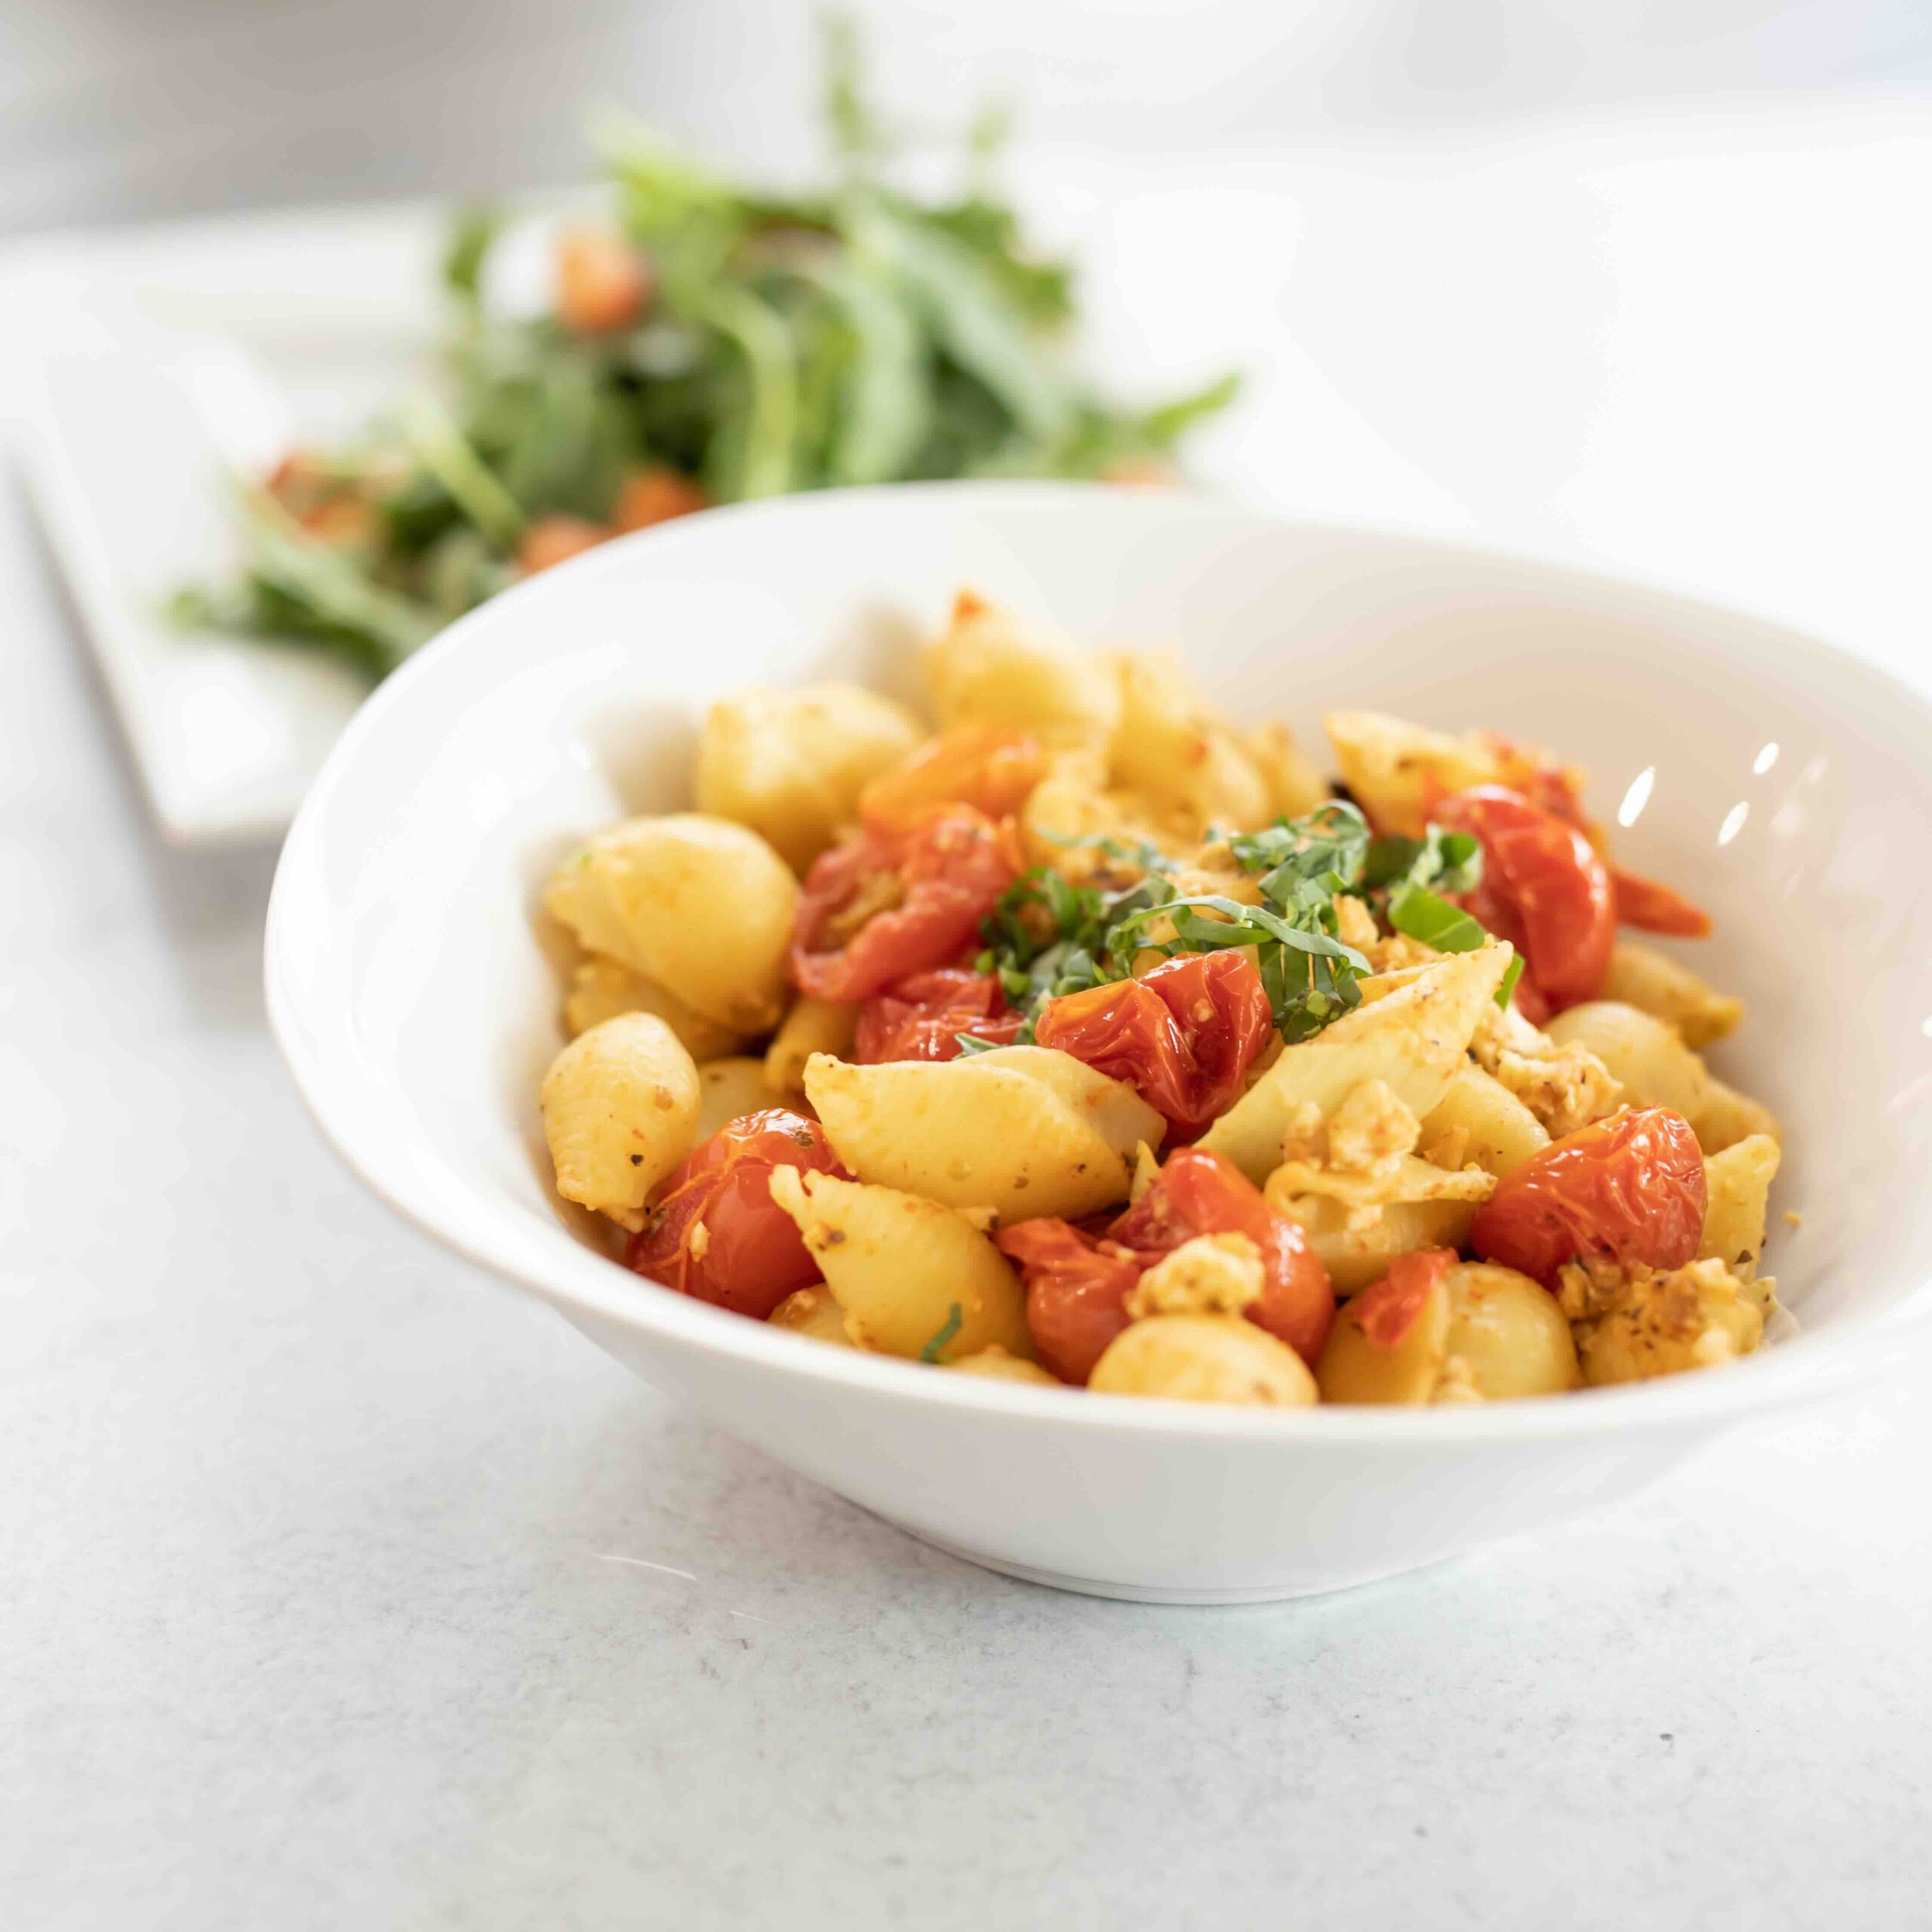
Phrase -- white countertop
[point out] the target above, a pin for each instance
(345, 1589)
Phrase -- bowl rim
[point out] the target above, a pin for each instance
(574, 1278)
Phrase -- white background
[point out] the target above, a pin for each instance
(343, 1589)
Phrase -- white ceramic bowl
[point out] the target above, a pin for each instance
(1787, 790)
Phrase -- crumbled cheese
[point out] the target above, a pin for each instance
(1210, 1275)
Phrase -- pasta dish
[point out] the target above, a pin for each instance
(1096, 1038)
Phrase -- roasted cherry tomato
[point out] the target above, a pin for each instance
(1182, 1037)
(1387, 1309)
(922, 1017)
(985, 766)
(1559, 790)
(1077, 1283)
(717, 1234)
(1544, 889)
(1627, 1190)
(883, 906)
(1653, 907)
(1211, 1196)
(1076, 1291)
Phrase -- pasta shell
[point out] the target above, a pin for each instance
(914, 1278)
(620, 1110)
(1413, 1039)
(1023, 1130)
(700, 906)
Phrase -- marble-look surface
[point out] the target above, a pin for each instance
(344, 1588)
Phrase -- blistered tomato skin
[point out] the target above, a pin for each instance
(1654, 908)
(1077, 1283)
(1183, 1036)
(1389, 1308)
(717, 1234)
(1628, 1190)
(1544, 889)
(884, 905)
(921, 1017)
(1212, 1196)
(1077, 1286)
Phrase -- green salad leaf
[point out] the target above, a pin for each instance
(853, 334)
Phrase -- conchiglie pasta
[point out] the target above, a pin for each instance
(913, 1278)
(1737, 1184)
(1402, 1369)
(791, 764)
(1022, 1131)
(1482, 1334)
(1204, 1359)
(1071, 804)
(1170, 748)
(994, 1365)
(812, 1026)
(1478, 1119)
(1413, 1039)
(814, 1313)
(1356, 1249)
(700, 906)
(1392, 767)
(1653, 983)
(1508, 1333)
(1296, 787)
(986, 670)
(620, 1110)
(1656, 1069)
(727, 1090)
(601, 989)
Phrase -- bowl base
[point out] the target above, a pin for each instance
(1184, 1593)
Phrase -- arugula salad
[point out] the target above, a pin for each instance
(717, 341)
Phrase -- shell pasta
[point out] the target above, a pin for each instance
(1087, 1038)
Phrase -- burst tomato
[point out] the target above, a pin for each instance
(1077, 1287)
(1559, 790)
(985, 766)
(883, 906)
(1544, 889)
(1628, 1190)
(1077, 1283)
(1183, 1036)
(1653, 907)
(716, 1234)
(922, 1017)
(1212, 1196)
(1387, 1309)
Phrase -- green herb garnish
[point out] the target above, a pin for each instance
(1047, 937)
(943, 1334)
(1416, 911)
(1506, 991)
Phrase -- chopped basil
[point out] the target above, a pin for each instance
(1047, 937)
(1416, 911)
(1450, 861)
(944, 1334)
(1507, 990)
